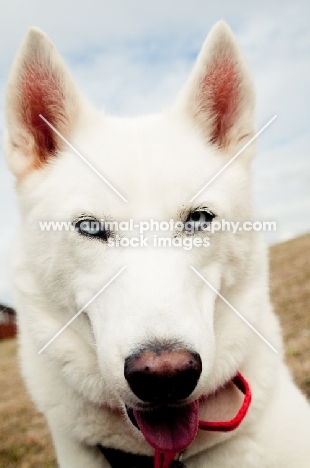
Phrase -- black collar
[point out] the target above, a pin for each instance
(120, 459)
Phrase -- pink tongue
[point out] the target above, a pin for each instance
(169, 429)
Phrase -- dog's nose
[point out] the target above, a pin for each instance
(163, 376)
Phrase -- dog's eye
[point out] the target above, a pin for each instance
(198, 220)
(91, 227)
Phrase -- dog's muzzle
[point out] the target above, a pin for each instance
(163, 378)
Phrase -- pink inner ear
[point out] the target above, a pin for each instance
(221, 97)
(41, 94)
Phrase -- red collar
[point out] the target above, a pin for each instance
(164, 460)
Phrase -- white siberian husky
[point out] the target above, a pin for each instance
(157, 353)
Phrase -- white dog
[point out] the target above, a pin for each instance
(157, 354)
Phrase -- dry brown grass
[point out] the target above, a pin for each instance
(24, 437)
(290, 292)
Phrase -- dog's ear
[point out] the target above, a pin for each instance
(219, 94)
(39, 83)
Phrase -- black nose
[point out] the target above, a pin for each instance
(163, 376)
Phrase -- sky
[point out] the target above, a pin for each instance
(131, 57)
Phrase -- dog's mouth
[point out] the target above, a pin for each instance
(167, 429)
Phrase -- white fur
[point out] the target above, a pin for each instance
(158, 163)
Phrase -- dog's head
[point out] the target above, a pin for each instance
(158, 336)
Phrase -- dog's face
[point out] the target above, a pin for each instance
(157, 316)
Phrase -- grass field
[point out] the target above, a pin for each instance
(24, 437)
(290, 292)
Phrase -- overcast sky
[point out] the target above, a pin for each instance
(131, 57)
